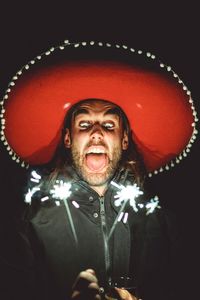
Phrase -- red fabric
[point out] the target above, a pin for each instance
(156, 105)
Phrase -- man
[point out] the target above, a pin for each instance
(91, 224)
(97, 140)
(96, 148)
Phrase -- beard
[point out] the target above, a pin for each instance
(98, 178)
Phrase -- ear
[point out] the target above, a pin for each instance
(67, 139)
(125, 141)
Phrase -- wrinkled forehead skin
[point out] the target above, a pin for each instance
(97, 107)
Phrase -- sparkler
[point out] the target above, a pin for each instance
(125, 194)
(61, 190)
(129, 194)
(35, 177)
(152, 205)
(31, 191)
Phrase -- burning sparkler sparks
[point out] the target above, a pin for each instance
(30, 193)
(124, 195)
(129, 194)
(152, 205)
(35, 177)
(62, 190)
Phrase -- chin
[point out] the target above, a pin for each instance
(96, 179)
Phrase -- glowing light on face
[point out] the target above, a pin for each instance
(96, 142)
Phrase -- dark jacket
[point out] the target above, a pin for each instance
(144, 248)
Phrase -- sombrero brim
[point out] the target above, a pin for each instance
(156, 101)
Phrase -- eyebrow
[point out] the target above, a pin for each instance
(113, 111)
(80, 111)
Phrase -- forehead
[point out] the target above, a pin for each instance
(97, 108)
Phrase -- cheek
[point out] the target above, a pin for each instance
(114, 141)
(79, 141)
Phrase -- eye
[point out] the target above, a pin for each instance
(84, 125)
(109, 125)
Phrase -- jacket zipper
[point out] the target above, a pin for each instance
(105, 237)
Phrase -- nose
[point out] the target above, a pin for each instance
(97, 133)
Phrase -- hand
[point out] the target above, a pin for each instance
(124, 294)
(86, 286)
(120, 294)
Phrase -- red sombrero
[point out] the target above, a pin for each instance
(156, 101)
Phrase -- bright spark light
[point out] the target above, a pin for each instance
(120, 216)
(61, 190)
(125, 218)
(30, 193)
(35, 175)
(44, 198)
(35, 180)
(129, 192)
(75, 204)
(152, 205)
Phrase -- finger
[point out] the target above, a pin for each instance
(92, 292)
(125, 295)
(85, 280)
(94, 286)
(88, 275)
(91, 271)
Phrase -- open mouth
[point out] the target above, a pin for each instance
(96, 158)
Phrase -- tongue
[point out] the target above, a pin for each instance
(96, 162)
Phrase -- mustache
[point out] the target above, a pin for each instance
(96, 144)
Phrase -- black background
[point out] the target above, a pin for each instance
(170, 31)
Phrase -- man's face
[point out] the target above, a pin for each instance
(96, 142)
